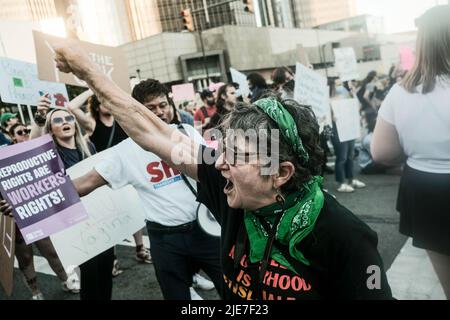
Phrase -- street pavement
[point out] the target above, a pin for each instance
(410, 274)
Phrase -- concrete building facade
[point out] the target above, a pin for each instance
(27, 10)
(176, 57)
(310, 13)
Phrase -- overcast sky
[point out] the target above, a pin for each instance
(398, 15)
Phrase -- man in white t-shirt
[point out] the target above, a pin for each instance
(178, 245)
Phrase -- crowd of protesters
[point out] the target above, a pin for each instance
(256, 238)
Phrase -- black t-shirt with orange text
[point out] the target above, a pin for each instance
(341, 249)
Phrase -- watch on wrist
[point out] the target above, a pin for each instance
(39, 119)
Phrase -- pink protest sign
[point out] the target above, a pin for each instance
(406, 58)
(183, 92)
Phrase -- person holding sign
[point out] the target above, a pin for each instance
(277, 223)
(344, 150)
(24, 253)
(96, 274)
(414, 125)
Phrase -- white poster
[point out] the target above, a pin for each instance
(346, 64)
(114, 215)
(311, 89)
(19, 84)
(346, 114)
(241, 80)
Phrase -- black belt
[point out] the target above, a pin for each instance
(159, 228)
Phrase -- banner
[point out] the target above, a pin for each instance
(111, 60)
(19, 84)
(346, 64)
(183, 92)
(346, 114)
(311, 89)
(114, 215)
(241, 80)
(7, 242)
(33, 182)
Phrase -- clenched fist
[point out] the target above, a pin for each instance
(70, 58)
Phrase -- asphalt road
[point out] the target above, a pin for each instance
(375, 205)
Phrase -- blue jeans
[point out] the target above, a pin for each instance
(344, 151)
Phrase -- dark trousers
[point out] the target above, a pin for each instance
(177, 255)
(345, 152)
(96, 277)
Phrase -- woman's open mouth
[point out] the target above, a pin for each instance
(65, 129)
(228, 187)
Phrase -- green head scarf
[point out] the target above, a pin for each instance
(301, 208)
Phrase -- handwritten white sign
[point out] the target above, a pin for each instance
(19, 84)
(241, 80)
(311, 89)
(114, 215)
(346, 114)
(346, 64)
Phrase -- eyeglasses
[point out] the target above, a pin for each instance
(60, 120)
(23, 132)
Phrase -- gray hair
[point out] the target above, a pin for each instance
(248, 117)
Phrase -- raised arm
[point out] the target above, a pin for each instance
(84, 119)
(37, 127)
(145, 128)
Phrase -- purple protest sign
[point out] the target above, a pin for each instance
(33, 181)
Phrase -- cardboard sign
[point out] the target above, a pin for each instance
(241, 80)
(7, 243)
(346, 113)
(33, 182)
(114, 215)
(19, 84)
(111, 60)
(311, 89)
(183, 92)
(346, 64)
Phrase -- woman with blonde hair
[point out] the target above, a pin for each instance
(72, 147)
(414, 125)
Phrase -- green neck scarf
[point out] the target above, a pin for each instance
(302, 209)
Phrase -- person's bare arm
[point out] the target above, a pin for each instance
(43, 106)
(146, 129)
(84, 119)
(88, 183)
(83, 185)
(386, 148)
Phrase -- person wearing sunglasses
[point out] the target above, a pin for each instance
(96, 273)
(24, 253)
(19, 133)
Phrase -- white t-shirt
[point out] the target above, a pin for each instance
(165, 196)
(423, 125)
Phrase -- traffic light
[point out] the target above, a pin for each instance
(188, 23)
(248, 6)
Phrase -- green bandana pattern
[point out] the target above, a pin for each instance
(285, 122)
(298, 220)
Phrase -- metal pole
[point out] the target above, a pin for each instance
(203, 54)
(21, 113)
(30, 114)
(206, 12)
